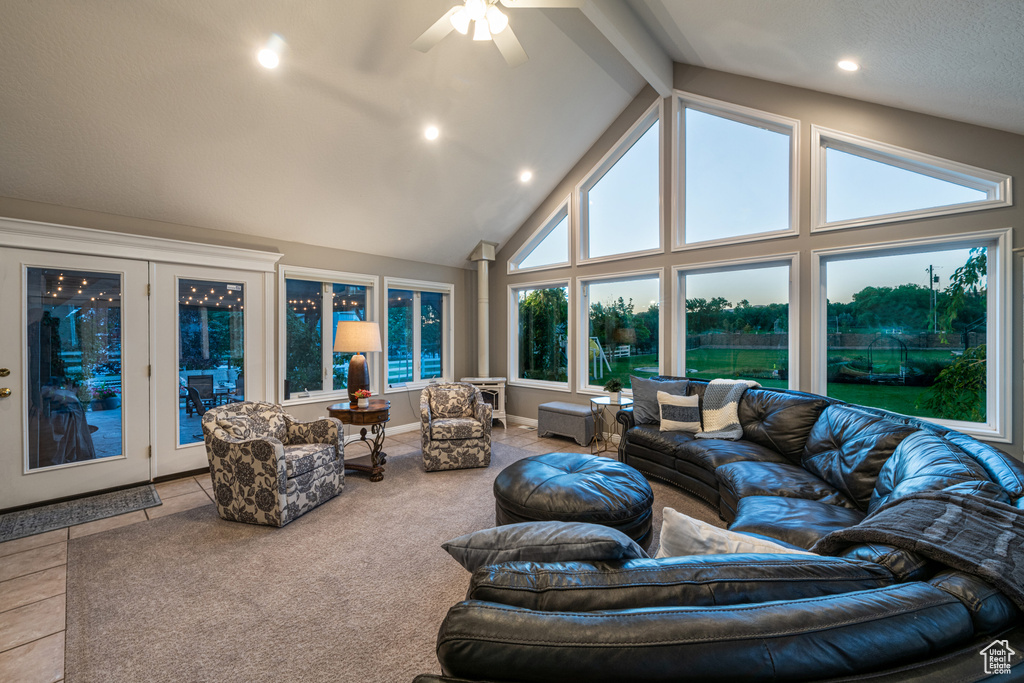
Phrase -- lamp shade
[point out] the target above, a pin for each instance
(356, 336)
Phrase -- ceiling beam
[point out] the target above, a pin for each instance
(624, 30)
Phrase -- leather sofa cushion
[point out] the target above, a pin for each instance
(739, 480)
(903, 564)
(1006, 472)
(711, 454)
(779, 421)
(927, 462)
(690, 581)
(650, 436)
(793, 520)
(448, 428)
(810, 639)
(990, 610)
(848, 447)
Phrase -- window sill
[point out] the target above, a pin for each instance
(414, 386)
(540, 384)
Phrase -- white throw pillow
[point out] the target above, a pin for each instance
(679, 413)
(682, 535)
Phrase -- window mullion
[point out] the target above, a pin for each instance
(327, 325)
(417, 333)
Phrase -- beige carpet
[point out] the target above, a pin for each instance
(353, 591)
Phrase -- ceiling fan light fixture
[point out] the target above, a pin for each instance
(480, 30)
(460, 20)
(476, 9)
(496, 20)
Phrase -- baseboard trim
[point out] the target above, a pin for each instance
(518, 420)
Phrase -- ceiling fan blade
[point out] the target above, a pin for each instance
(509, 47)
(433, 35)
(550, 4)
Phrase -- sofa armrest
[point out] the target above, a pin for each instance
(693, 580)
(625, 418)
(323, 430)
(425, 416)
(787, 640)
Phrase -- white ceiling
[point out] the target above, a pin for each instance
(156, 108)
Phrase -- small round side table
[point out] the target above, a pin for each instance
(599, 405)
(375, 416)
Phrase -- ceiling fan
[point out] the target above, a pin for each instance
(489, 23)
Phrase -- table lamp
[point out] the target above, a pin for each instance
(356, 336)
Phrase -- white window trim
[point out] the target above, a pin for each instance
(583, 324)
(790, 259)
(653, 114)
(563, 211)
(513, 334)
(752, 117)
(998, 186)
(448, 362)
(285, 272)
(999, 401)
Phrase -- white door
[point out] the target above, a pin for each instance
(209, 339)
(74, 355)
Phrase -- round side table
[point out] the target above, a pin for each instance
(599, 406)
(375, 416)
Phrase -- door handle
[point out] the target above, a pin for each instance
(4, 372)
(5, 392)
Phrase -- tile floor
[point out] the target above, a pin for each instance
(33, 570)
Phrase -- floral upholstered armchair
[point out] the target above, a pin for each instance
(268, 468)
(455, 427)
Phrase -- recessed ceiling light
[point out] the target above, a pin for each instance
(847, 65)
(268, 58)
(526, 176)
(431, 132)
(269, 55)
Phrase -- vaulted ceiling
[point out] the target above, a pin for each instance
(157, 109)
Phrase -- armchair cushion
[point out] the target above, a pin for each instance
(253, 420)
(302, 458)
(324, 430)
(451, 400)
(456, 428)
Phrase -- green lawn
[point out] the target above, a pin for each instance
(757, 363)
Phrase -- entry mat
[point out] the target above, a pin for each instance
(71, 512)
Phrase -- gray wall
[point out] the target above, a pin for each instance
(404, 404)
(982, 147)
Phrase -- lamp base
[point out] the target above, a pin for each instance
(358, 376)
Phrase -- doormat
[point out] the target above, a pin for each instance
(71, 512)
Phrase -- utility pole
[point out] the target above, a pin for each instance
(933, 297)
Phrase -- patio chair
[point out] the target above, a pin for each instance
(204, 385)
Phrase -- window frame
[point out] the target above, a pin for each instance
(583, 324)
(746, 115)
(322, 276)
(513, 342)
(998, 186)
(678, 333)
(999, 294)
(653, 114)
(564, 211)
(447, 290)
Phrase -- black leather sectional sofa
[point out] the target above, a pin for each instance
(806, 465)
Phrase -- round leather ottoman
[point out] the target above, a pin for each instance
(575, 487)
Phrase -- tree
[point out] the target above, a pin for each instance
(704, 316)
(959, 390)
(543, 325)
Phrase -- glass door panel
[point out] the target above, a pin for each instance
(75, 347)
(211, 351)
(74, 366)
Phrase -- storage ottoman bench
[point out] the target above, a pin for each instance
(575, 487)
(566, 419)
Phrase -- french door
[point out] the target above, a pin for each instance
(74, 386)
(209, 339)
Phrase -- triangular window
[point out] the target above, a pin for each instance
(548, 247)
(861, 182)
